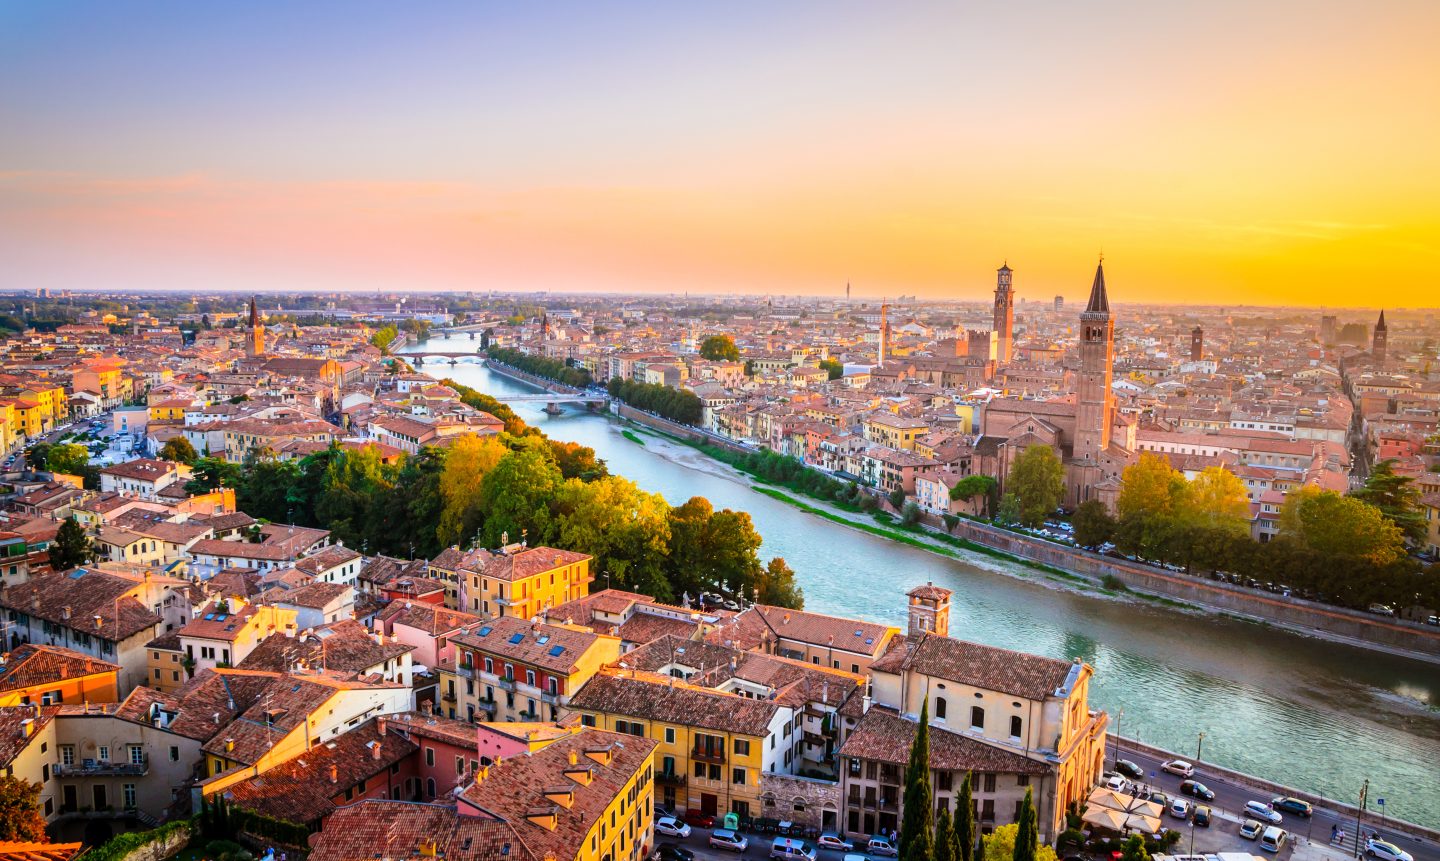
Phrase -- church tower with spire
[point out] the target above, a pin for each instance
(1377, 343)
(255, 346)
(1094, 398)
(1004, 315)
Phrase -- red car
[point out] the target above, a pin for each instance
(697, 819)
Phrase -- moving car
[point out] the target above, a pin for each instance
(724, 838)
(1202, 816)
(1292, 805)
(1273, 840)
(882, 846)
(671, 827)
(1178, 766)
(1180, 808)
(671, 852)
(1129, 769)
(831, 840)
(1250, 829)
(1386, 851)
(791, 849)
(1263, 812)
(1196, 789)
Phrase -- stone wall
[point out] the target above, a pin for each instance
(816, 797)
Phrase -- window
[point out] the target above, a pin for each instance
(127, 792)
(669, 736)
(430, 757)
(137, 755)
(530, 678)
(587, 720)
(104, 753)
(67, 754)
(174, 753)
(459, 765)
(939, 708)
(489, 665)
(742, 747)
(667, 765)
(699, 769)
(990, 782)
(977, 718)
(1015, 726)
(737, 776)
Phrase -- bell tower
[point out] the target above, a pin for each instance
(929, 610)
(1097, 359)
(1377, 345)
(255, 346)
(1004, 314)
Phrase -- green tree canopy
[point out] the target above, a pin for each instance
(1093, 524)
(20, 817)
(516, 496)
(776, 586)
(1397, 498)
(1335, 525)
(71, 546)
(179, 450)
(209, 473)
(964, 824)
(720, 348)
(69, 458)
(833, 368)
(1037, 478)
(626, 529)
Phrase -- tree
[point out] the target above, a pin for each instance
(897, 498)
(1000, 845)
(1008, 512)
(470, 457)
(209, 473)
(516, 497)
(1037, 478)
(270, 490)
(776, 586)
(712, 551)
(1150, 488)
(833, 368)
(1134, 849)
(944, 838)
(626, 529)
(720, 348)
(1335, 525)
(67, 458)
(71, 546)
(383, 336)
(917, 838)
(577, 461)
(1396, 497)
(38, 455)
(964, 825)
(972, 486)
(1093, 524)
(20, 817)
(1027, 838)
(178, 450)
(1217, 498)
(910, 514)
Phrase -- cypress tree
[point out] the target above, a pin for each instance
(944, 837)
(917, 825)
(964, 825)
(1027, 836)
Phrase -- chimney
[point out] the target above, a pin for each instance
(375, 749)
(334, 773)
(65, 613)
(380, 724)
(229, 745)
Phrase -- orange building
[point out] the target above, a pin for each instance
(50, 675)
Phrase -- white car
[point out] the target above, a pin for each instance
(1178, 766)
(724, 838)
(1386, 851)
(831, 840)
(1117, 783)
(672, 827)
(1180, 808)
(1263, 812)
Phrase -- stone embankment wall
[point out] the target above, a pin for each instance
(514, 373)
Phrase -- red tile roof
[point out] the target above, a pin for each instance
(32, 664)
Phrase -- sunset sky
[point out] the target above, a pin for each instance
(1275, 152)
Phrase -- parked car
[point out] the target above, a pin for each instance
(699, 820)
(1201, 817)
(661, 811)
(1263, 812)
(882, 846)
(1159, 798)
(831, 840)
(1116, 782)
(1274, 839)
(671, 852)
(1250, 829)
(1292, 805)
(1129, 769)
(1382, 609)
(724, 838)
(671, 827)
(1386, 851)
(1196, 789)
(1180, 808)
(1178, 766)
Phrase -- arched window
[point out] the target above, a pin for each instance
(939, 708)
(977, 718)
(1015, 726)
(430, 786)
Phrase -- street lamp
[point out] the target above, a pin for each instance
(1359, 812)
(1116, 755)
(1198, 743)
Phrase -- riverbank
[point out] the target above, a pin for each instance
(1074, 569)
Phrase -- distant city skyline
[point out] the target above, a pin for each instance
(1226, 153)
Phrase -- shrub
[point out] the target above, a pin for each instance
(1113, 583)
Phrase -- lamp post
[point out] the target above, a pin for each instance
(1116, 755)
(1359, 812)
(1198, 743)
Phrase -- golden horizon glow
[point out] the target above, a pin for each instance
(1218, 154)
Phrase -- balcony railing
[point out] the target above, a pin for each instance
(549, 698)
(465, 672)
(708, 754)
(670, 777)
(101, 768)
(529, 716)
(505, 683)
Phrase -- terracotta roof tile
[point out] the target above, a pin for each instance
(32, 664)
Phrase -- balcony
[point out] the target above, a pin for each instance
(448, 696)
(708, 754)
(506, 684)
(529, 716)
(487, 705)
(101, 768)
(549, 698)
(465, 672)
(670, 778)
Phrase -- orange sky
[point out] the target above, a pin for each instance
(1217, 153)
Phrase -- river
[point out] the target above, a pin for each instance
(1315, 715)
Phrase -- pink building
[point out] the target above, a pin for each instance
(447, 754)
(426, 627)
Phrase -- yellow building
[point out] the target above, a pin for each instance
(172, 410)
(511, 670)
(1430, 508)
(712, 746)
(522, 581)
(894, 431)
(32, 418)
(50, 675)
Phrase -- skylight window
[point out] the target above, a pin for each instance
(543, 640)
(516, 638)
(485, 631)
(556, 651)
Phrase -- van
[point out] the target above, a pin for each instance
(1273, 840)
(791, 849)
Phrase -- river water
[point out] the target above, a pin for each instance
(1311, 714)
